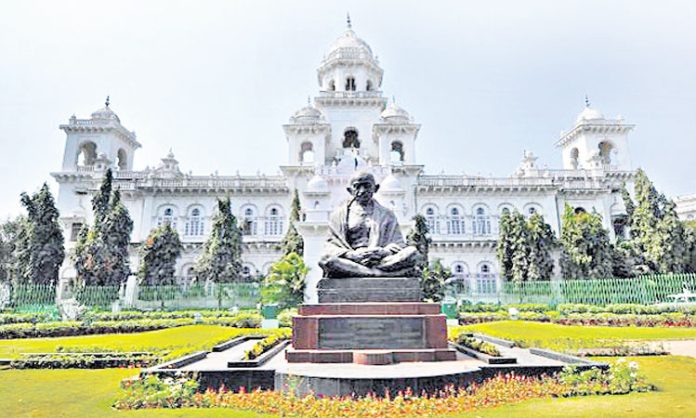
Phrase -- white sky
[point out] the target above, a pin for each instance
(215, 80)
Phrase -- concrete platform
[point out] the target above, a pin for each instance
(351, 379)
(369, 289)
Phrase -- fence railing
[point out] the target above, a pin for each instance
(203, 295)
(644, 290)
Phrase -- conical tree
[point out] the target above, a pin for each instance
(669, 247)
(11, 232)
(100, 201)
(158, 256)
(418, 237)
(46, 246)
(433, 281)
(504, 245)
(519, 247)
(293, 241)
(116, 229)
(222, 253)
(586, 251)
(541, 241)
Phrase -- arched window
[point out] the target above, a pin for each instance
(485, 279)
(459, 283)
(332, 85)
(122, 159)
(455, 223)
(431, 220)
(574, 154)
(249, 221)
(605, 149)
(350, 139)
(86, 154)
(167, 217)
(194, 223)
(579, 209)
(397, 152)
(368, 85)
(274, 222)
(350, 84)
(306, 153)
(482, 222)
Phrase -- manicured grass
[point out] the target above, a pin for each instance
(175, 340)
(562, 337)
(80, 394)
(676, 396)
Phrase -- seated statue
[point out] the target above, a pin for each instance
(365, 239)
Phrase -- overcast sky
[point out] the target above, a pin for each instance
(215, 80)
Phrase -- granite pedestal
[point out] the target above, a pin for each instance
(369, 321)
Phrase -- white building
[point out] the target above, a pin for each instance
(348, 126)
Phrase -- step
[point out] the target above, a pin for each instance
(370, 357)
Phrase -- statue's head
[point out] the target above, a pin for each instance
(362, 186)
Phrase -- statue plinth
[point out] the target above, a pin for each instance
(372, 321)
(369, 289)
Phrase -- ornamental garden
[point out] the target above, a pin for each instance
(120, 337)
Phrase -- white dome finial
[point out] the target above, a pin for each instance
(587, 101)
(350, 25)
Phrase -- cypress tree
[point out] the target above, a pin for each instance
(46, 246)
(669, 247)
(586, 250)
(158, 256)
(101, 253)
(504, 245)
(541, 241)
(433, 281)
(418, 237)
(293, 241)
(519, 246)
(221, 258)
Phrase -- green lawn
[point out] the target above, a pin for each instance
(676, 396)
(178, 340)
(568, 337)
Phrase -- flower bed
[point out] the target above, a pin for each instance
(481, 346)
(589, 315)
(266, 344)
(84, 360)
(153, 392)
(65, 329)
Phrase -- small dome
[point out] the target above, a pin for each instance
(317, 184)
(390, 184)
(308, 114)
(589, 114)
(395, 114)
(349, 46)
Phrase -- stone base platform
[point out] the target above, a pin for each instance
(370, 357)
(369, 289)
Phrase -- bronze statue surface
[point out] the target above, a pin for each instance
(365, 239)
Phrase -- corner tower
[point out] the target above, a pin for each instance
(596, 142)
(98, 140)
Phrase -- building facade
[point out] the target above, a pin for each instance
(348, 126)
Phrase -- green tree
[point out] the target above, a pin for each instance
(433, 281)
(669, 247)
(541, 241)
(586, 251)
(101, 252)
(286, 282)
(418, 237)
(11, 233)
(505, 244)
(158, 256)
(44, 247)
(221, 260)
(293, 241)
(520, 247)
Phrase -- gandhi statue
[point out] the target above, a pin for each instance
(365, 239)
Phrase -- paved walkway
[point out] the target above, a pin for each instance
(678, 348)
